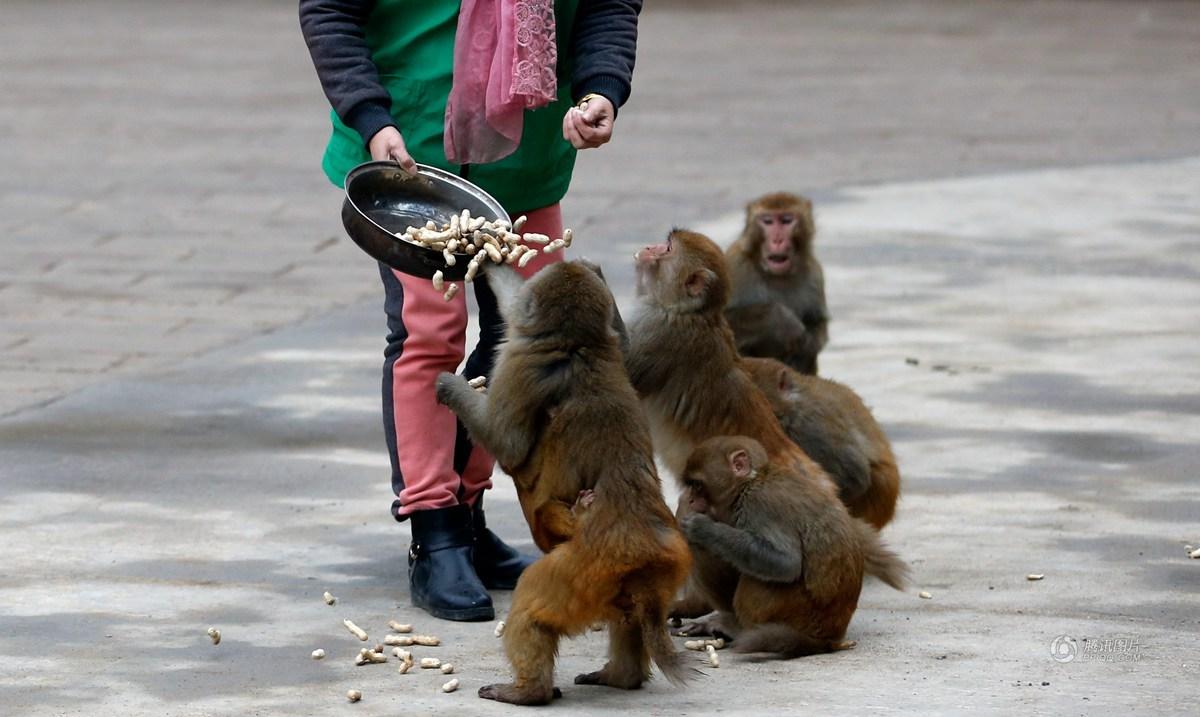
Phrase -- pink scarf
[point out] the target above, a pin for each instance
(504, 63)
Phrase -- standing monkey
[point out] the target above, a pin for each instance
(836, 429)
(561, 417)
(777, 305)
(799, 556)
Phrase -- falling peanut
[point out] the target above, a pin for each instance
(318, 654)
(516, 227)
(438, 282)
(329, 598)
(451, 292)
(401, 653)
(1034, 576)
(567, 237)
(924, 595)
(353, 695)
(407, 664)
(447, 668)
(399, 626)
(215, 635)
(554, 246)
(499, 631)
(535, 238)
(430, 663)
(472, 269)
(527, 257)
(450, 686)
(355, 630)
(1195, 554)
(712, 657)
(450, 260)
(477, 382)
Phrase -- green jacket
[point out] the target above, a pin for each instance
(412, 44)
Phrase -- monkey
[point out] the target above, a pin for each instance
(561, 418)
(683, 363)
(799, 555)
(777, 306)
(830, 423)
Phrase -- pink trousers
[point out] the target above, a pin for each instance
(434, 464)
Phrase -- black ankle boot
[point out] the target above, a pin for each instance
(496, 564)
(441, 578)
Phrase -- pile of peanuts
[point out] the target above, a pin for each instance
(482, 240)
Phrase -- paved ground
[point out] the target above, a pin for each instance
(1008, 193)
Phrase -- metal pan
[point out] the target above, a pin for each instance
(382, 200)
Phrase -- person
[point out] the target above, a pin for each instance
(502, 92)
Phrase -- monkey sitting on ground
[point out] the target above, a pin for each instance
(777, 307)
(561, 417)
(683, 363)
(836, 429)
(799, 556)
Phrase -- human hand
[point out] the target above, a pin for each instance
(387, 144)
(590, 123)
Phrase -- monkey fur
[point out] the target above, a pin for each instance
(836, 429)
(561, 418)
(683, 363)
(777, 302)
(799, 556)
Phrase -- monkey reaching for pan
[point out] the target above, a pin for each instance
(836, 429)
(562, 419)
(798, 556)
(777, 304)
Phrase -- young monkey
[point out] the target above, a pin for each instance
(799, 556)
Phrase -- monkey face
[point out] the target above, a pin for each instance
(780, 228)
(778, 241)
(686, 273)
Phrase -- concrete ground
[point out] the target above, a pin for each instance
(1008, 202)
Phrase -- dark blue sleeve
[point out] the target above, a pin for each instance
(604, 43)
(334, 32)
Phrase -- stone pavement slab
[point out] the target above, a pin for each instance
(166, 154)
(1047, 426)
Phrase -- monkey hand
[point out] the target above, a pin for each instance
(584, 501)
(449, 385)
(695, 526)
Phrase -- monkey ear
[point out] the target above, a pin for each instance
(698, 282)
(785, 381)
(739, 463)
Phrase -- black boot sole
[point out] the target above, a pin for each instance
(470, 614)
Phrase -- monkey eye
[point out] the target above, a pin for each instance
(768, 221)
(787, 219)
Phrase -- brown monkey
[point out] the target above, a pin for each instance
(777, 307)
(836, 429)
(683, 362)
(799, 556)
(561, 417)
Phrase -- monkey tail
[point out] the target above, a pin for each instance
(882, 561)
(785, 640)
(658, 643)
(878, 504)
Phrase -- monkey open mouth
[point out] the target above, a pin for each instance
(779, 263)
(654, 252)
